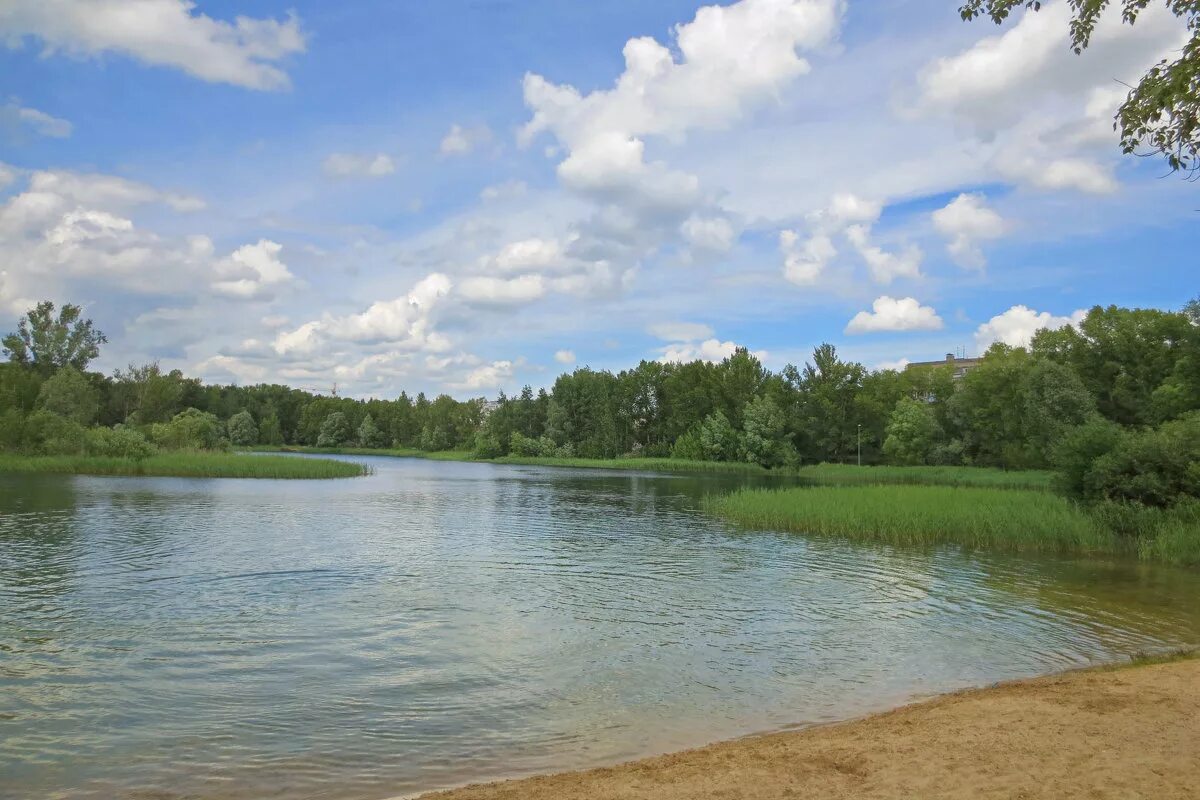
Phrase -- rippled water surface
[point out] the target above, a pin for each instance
(437, 623)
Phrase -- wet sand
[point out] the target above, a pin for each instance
(1102, 734)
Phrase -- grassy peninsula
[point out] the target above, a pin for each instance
(185, 465)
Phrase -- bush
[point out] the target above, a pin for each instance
(190, 429)
(47, 434)
(1157, 467)
(12, 429)
(718, 439)
(689, 447)
(370, 435)
(335, 431)
(119, 442)
(68, 394)
(525, 446)
(242, 430)
(487, 446)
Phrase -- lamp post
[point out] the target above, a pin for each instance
(860, 444)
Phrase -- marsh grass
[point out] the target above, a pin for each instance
(186, 464)
(984, 477)
(647, 464)
(1000, 519)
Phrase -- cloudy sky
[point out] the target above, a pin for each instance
(472, 195)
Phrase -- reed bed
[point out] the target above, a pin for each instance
(1003, 519)
(984, 477)
(646, 464)
(186, 465)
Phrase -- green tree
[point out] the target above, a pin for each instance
(269, 430)
(69, 394)
(242, 429)
(1055, 400)
(144, 395)
(190, 429)
(1162, 112)
(335, 431)
(912, 433)
(47, 434)
(764, 439)
(717, 437)
(118, 442)
(370, 435)
(829, 388)
(48, 342)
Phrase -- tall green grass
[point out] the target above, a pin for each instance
(1003, 519)
(186, 465)
(647, 464)
(985, 477)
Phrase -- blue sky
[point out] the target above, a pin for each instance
(471, 196)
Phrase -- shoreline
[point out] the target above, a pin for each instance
(1119, 730)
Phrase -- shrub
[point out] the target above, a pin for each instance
(718, 439)
(190, 429)
(689, 447)
(12, 429)
(487, 446)
(68, 394)
(370, 434)
(119, 442)
(47, 434)
(525, 446)
(242, 430)
(335, 431)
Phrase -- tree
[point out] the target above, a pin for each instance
(370, 435)
(242, 430)
(144, 395)
(764, 435)
(335, 431)
(190, 429)
(269, 431)
(69, 394)
(1163, 111)
(912, 432)
(50, 343)
(718, 440)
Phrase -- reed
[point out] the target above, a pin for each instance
(186, 464)
(983, 518)
(987, 477)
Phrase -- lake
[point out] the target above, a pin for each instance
(439, 622)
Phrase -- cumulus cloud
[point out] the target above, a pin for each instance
(41, 123)
(251, 271)
(711, 234)
(564, 356)
(1017, 325)
(730, 59)
(405, 322)
(487, 377)
(247, 52)
(460, 141)
(486, 290)
(850, 217)
(351, 165)
(965, 222)
(1045, 113)
(892, 314)
(693, 341)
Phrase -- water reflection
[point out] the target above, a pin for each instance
(442, 622)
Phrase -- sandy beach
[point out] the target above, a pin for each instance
(1101, 734)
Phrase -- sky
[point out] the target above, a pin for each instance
(470, 196)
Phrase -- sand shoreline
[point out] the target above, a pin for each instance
(1110, 732)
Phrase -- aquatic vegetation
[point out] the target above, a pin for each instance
(186, 465)
(845, 474)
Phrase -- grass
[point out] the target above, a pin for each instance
(185, 465)
(984, 518)
(984, 477)
(648, 464)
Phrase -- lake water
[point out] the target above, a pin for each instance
(437, 623)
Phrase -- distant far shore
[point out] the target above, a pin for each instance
(1124, 732)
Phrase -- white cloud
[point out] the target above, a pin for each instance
(891, 314)
(251, 271)
(350, 165)
(803, 264)
(508, 190)
(105, 190)
(39, 121)
(246, 52)
(486, 290)
(403, 323)
(884, 266)
(713, 234)
(729, 59)
(460, 141)
(491, 376)
(527, 255)
(564, 356)
(712, 350)
(965, 222)
(7, 175)
(1017, 325)
(680, 331)
(897, 365)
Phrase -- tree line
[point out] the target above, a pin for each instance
(1119, 389)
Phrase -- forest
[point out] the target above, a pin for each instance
(1113, 404)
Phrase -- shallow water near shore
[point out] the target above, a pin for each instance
(441, 622)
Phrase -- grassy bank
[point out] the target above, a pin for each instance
(185, 465)
(922, 515)
(984, 477)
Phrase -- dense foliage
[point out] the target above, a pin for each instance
(1112, 403)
